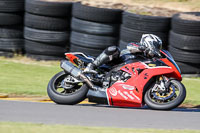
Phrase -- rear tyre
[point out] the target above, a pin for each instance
(71, 96)
(153, 99)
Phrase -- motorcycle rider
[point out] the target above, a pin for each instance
(149, 45)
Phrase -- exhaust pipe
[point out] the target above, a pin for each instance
(70, 68)
(76, 72)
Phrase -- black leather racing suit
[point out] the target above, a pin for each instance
(113, 52)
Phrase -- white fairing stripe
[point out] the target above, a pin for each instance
(155, 67)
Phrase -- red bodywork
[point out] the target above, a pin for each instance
(130, 93)
(71, 57)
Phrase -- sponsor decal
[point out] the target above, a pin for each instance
(132, 93)
(152, 65)
(128, 87)
(125, 97)
(113, 91)
(125, 92)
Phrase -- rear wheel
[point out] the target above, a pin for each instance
(171, 97)
(61, 90)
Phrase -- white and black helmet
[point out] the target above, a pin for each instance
(151, 41)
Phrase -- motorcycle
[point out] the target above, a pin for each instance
(134, 82)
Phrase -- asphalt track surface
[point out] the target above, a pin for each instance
(97, 115)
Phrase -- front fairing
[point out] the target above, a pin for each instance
(171, 59)
(130, 93)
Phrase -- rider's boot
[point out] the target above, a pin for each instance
(106, 56)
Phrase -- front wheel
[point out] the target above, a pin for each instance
(171, 98)
(65, 89)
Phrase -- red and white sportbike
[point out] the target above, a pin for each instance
(132, 82)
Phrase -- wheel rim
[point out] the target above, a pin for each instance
(160, 97)
(63, 88)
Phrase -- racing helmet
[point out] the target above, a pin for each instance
(151, 41)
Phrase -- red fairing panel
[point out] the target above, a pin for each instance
(130, 93)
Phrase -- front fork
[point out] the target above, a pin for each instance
(162, 82)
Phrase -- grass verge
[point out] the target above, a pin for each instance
(28, 77)
(12, 127)
(193, 90)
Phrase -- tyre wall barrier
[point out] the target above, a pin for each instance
(134, 25)
(94, 29)
(11, 27)
(47, 29)
(184, 41)
(54, 27)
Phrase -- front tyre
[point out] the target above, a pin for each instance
(62, 92)
(172, 98)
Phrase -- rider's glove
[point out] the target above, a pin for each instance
(149, 53)
(142, 48)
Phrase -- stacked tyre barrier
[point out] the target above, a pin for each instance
(134, 25)
(94, 29)
(11, 27)
(47, 29)
(185, 41)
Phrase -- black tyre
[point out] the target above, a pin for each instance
(88, 51)
(46, 23)
(146, 23)
(185, 56)
(11, 45)
(170, 100)
(95, 14)
(44, 49)
(11, 32)
(92, 41)
(71, 95)
(184, 42)
(189, 68)
(46, 35)
(44, 57)
(94, 28)
(49, 8)
(186, 23)
(11, 5)
(132, 35)
(10, 19)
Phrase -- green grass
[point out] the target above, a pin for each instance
(193, 90)
(18, 78)
(31, 78)
(12, 127)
